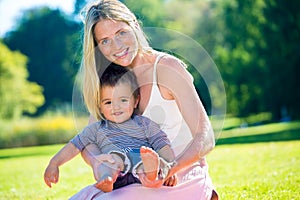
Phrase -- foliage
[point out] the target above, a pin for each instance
(79, 4)
(235, 39)
(251, 120)
(254, 43)
(54, 128)
(282, 35)
(249, 171)
(149, 12)
(51, 44)
(183, 16)
(50, 129)
(17, 94)
(257, 59)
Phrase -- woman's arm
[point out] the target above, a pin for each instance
(89, 153)
(170, 73)
(168, 155)
(93, 157)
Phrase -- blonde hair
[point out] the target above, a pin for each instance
(93, 61)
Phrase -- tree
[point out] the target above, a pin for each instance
(282, 54)
(231, 32)
(17, 94)
(79, 4)
(149, 12)
(51, 41)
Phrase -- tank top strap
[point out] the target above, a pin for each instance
(155, 67)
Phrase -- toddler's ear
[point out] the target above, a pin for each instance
(137, 100)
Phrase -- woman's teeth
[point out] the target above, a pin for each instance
(121, 53)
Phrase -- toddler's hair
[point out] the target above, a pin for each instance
(115, 74)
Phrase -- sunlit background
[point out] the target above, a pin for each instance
(254, 45)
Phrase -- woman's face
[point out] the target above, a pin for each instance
(117, 41)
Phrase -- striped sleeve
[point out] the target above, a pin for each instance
(85, 137)
(156, 137)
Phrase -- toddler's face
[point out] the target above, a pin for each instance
(117, 103)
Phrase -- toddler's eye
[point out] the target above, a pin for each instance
(107, 102)
(124, 100)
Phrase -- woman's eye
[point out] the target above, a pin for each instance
(122, 33)
(104, 42)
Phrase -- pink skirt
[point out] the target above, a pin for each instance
(194, 183)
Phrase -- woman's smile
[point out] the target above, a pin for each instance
(122, 54)
(117, 43)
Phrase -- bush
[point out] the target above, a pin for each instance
(37, 131)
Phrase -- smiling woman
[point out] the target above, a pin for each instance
(112, 45)
(113, 34)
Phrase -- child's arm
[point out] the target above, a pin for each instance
(51, 174)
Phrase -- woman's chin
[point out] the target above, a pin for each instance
(123, 62)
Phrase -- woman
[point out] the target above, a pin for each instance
(168, 97)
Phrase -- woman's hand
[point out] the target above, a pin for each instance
(151, 184)
(94, 158)
(97, 161)
(171, 181)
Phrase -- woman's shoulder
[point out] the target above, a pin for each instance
(172, 67)
(171, 61)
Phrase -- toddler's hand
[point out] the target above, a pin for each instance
(51, 175)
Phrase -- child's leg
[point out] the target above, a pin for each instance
(109, 173)
(150, 161)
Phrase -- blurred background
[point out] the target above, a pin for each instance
(254, 44)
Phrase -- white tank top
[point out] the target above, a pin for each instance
(167, 114)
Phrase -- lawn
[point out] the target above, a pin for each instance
(239, 171)
(265, 171)
(22, 169)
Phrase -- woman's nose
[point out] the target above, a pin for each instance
(117, 43)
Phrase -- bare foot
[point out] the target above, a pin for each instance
(150, 162)
(105, 185)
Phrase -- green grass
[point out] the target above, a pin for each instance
(257, 171)
(257, 162)
(21, 174)
(284, 131)
(240, 171)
